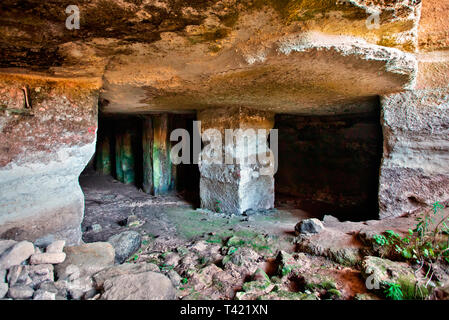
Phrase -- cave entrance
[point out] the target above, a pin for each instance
(329, 165)
(134, 150)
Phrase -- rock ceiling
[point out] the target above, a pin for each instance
(289, 56)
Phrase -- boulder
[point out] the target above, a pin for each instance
(16, 254)
(20, 292)
(123, 269)
(309, 226)
(142, 286)
(125, 244)
(85, 260)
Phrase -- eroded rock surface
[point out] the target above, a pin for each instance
(414, 171)
(46, 146)
(131, 287)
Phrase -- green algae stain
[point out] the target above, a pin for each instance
(127, 159)
(162, 166)
(104, 160)
(118, 157)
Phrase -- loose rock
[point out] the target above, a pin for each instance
(16, 254)
(48, 258)
(20, 292)
(309, 226)
(125, 244)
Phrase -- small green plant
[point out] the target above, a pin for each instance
(203, 260)
(380, 239)
(211, 240)
(165, 268)
(393, 291)
(425, 244)
(133, 258)
(217, 206)
(286, 270)
(184, 280)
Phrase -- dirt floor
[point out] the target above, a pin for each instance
(209, 255)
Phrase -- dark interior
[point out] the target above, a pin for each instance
(185, 176)
(330, 164)
(327, 164)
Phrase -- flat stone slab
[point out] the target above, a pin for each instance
(123, 269)
(86, 259)
(333, 244)
(141, 286)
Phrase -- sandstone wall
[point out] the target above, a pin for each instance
(415, 171)
(44, 148)
(415, 166)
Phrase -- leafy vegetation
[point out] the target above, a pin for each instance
(217, 206)
(166, 267)
(286, 270)
(426, 244)
(393, 291)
